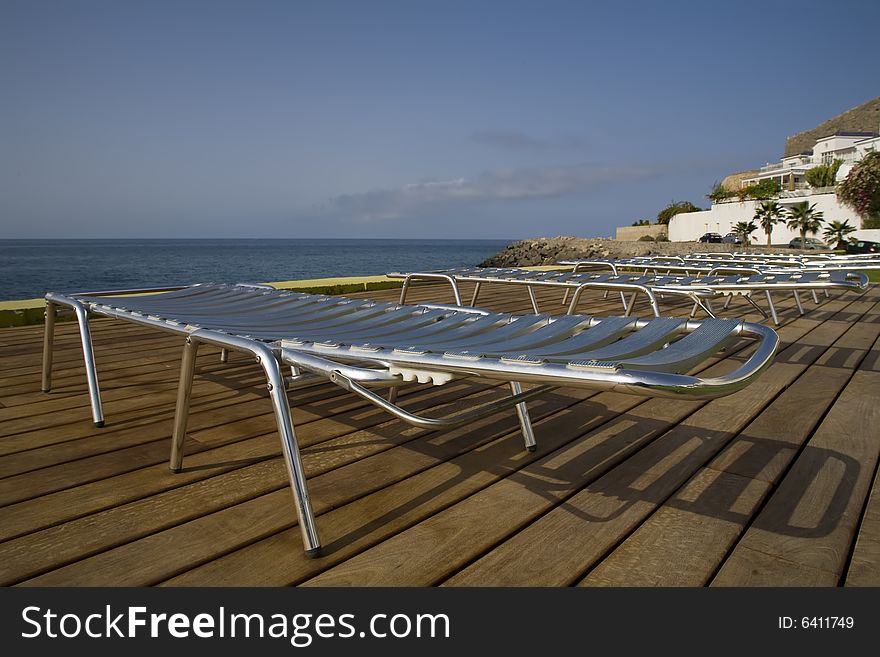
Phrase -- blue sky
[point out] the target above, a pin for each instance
(403, 119)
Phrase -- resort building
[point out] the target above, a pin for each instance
(829, 143)
(790, 172)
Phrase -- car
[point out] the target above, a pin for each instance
(862, 246)
(712, 237)
(731, 238)
(811, 244)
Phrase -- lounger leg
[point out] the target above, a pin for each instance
(184, 393)
(707, 306)
(525, 422)
(756, 306)
(699, 303)
(476, 294)
(48, 346)
(403, 290)
(772, 308)
(575, 298)
(533, 299)
(797, 300)
(727, 301)
(224, 355)
(392, 395)
(632, 302)
(815, 297)
(292, 460)
(565, 296)
(82, 318)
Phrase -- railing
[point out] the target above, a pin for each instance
(801, 189)
(806, 190)
(783, 166)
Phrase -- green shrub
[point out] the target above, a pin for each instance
(823, 175)
(860, 190)
(646, 238)
(720, 193)
(761, 191)
(674, 208)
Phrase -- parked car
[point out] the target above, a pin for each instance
(712, 237)
(731, 238)
(863, 246)
(811, 243)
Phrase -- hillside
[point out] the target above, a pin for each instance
(864, 118)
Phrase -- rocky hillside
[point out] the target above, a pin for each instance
(548, 250)
(864, 118)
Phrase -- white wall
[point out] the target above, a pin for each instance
(722, 217)
(869, 234)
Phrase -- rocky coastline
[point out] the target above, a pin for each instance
(548, 250)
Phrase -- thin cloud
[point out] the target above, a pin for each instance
(506, 185)
(520, 141)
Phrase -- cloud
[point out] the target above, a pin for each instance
(519, 141)
(504, 185)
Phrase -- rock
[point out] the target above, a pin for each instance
(549, 250)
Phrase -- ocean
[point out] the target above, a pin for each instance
(30, 268)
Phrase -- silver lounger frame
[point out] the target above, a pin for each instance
(632, 285)
(354, 366)
(699, 289)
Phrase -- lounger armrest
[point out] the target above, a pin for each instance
(860, 278)
(659, 383)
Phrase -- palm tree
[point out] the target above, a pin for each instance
(745, 229)
(836, 232)
(804, 217)
(767, 214)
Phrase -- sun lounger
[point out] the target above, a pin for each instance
(698, 289)
(360, 345)
(712, 264)
(575, 282)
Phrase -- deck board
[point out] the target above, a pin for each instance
(771, 485)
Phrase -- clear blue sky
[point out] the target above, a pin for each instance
(403, 119)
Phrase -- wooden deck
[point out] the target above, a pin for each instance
(774, 485)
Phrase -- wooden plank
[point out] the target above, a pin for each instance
(811, 520)
(685, 540)
(230, 423)
(864, 567)
(348, 529)
(49, 411)
(425, 553)
(239, 441)
(252, 520)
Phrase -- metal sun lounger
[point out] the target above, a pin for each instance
(575, 282)
(794, 282)
(359, 344)
(699, 290)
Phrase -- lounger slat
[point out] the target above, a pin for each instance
(657, 333)
(692, 349)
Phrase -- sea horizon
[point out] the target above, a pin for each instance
(30, 267)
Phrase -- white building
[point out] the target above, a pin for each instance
(848, 147)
